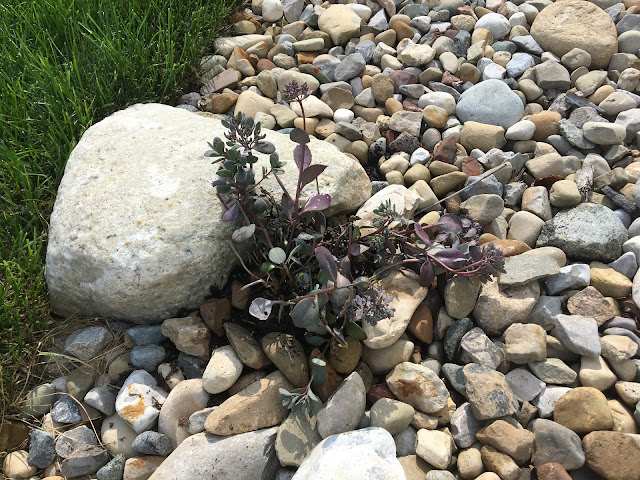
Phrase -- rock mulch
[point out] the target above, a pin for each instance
(532, 375)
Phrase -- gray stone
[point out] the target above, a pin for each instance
(84, 461)
(405, 442)
(587, 232)
(626, 264)
(552, 76)
(519, 64)
(344, 409)
(101, 399)
(349, 67)
(146, 335)
(545, 310)
(579, 334)
(630, 119)
(491, 102)
(152, 443)
(66, 410)
(554, 371)
(555, 443)
(366, 454)
(147, 357)
(522, 269)
(524, 385)
(571, 277)
(112, 470)
(247, 456)
(528, 43)
(74, 439)
(464, 426)
(88, 342)
(156, 176)
(453, 373)
(480, 349)
(42, 449)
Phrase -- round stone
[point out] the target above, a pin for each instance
(490, 102)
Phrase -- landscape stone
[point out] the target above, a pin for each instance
(153, 287)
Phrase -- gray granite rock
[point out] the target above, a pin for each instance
(74, 439)
(66, 410)
(152, 443)
(587, 232)
(84, 461)
(112, 470)
(555, 443)
(42, 450)
(579, 334)
(88, 342)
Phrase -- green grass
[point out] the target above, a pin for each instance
(64, 65)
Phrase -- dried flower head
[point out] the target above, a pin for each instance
(294, 92)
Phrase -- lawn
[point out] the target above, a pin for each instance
(65, 65)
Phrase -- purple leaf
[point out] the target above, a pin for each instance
(310, 173)
(449, 223)
(422, 235)
(327, 262)
(231, 214)
(427, 274)
(221, 181)
(318, 202)
(302, 156)
(450, 257)
(287, 205)
(357, 249)
(345, 265)
(299, 136)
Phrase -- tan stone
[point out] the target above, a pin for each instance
(547, 123)
(583, 410)
(482, 136)
(517, 443)
(257, 406)
(609, 282)
(614, 455)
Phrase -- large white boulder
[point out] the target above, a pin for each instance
(136, 232)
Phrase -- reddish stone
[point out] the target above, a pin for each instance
(467, 10)
(445, 151)
(552, 471)
(378, 391)
(471, 167)
(449, 79)
(307, 57)
(451, 33)
(402, 77)
(421, 324)
(411, 107)
(265, 64)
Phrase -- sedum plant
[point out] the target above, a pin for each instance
(325, 276)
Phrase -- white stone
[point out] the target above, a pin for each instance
(136, 232)
(139, 400)
(522, 130)
(366, 454)
(222, 371)
(439, 99)
(434, 447)
(272, 10)
(343, 115)
(547, 400)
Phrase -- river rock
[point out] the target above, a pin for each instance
(366, 454)
(560, 27)
(247, 456)
(418, 386)
(344, 409)
(491, 102)
(186, 398)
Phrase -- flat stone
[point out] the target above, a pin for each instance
(579, 334)
(524, 385)
(74, 439)
(571, 277)
(554, 371)
(522, 269)
(88, 342)
(84, 461)
(257, 406)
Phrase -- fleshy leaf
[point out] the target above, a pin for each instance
(261, 308)
(355, 331)
(299, 136)
(243, 233)
(277, 255)
(449, 223)
(302, 156)
(327, 262)
(310, 173)
(422, 235)
(265, 147)
(305, 315)
(231, 213)
(427, 274)
(357, 249)
(321, 201)
(450, 257)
